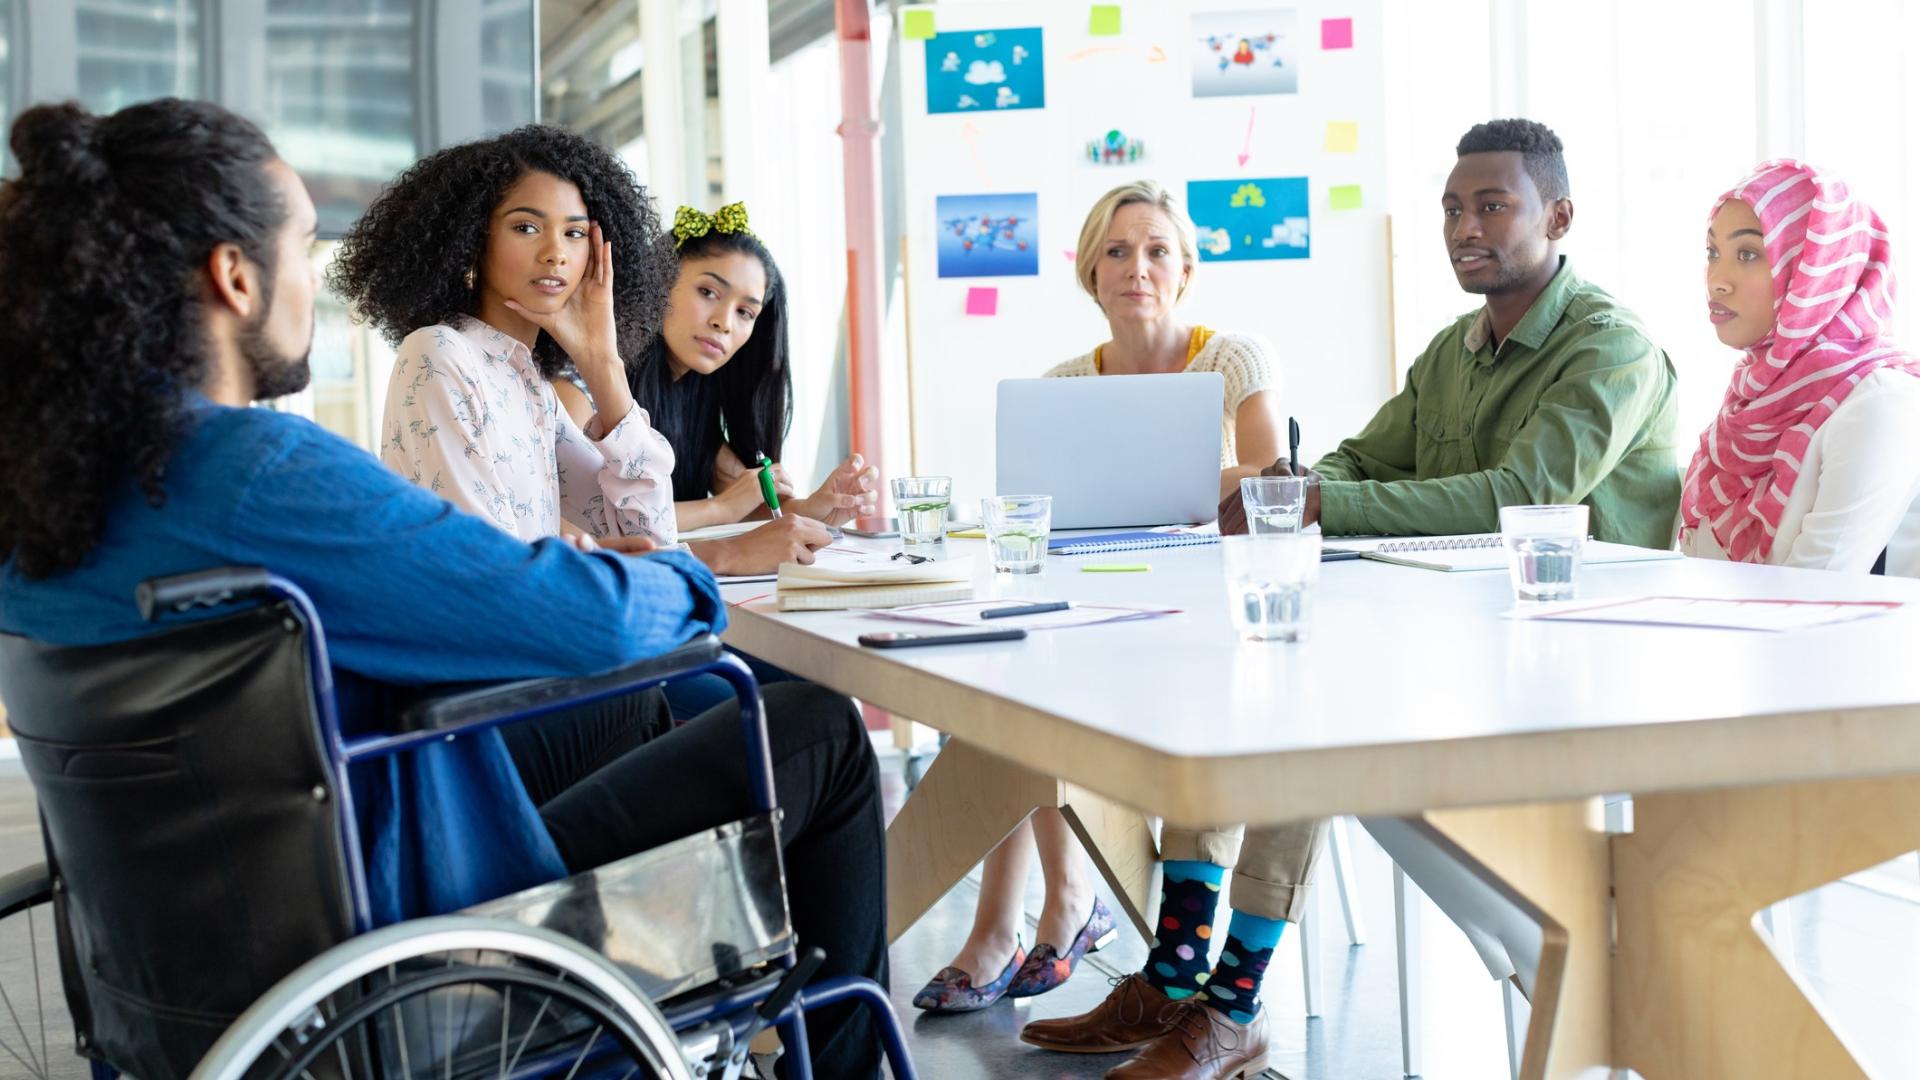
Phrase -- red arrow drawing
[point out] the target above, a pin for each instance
(1246, 150)
(972, 136)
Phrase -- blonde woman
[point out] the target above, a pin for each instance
(1136, 260)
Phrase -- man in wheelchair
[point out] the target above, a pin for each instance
(155, 282)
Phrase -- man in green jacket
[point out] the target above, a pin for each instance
(1550, 393)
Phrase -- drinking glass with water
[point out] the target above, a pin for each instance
(1017, 528)
(1543, 549)
(921, 502)
(1274, 504)
(1270, 580)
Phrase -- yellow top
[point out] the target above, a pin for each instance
(1194, 344)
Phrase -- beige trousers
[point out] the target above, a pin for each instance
(1273, 865)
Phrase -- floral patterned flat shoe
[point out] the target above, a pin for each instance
(953, 991)
(1046, 968)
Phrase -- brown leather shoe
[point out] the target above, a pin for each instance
(1134, 1014)
(1202, 1044)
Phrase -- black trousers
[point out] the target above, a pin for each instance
(615, 779)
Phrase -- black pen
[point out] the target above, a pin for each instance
(1293, 445)
(1024, 609)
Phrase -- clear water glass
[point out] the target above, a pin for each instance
(1017, 528)
(1543, 549)
(921, 502)
(1274, 504)
(1270, 580)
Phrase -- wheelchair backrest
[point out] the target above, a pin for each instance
(190, 820)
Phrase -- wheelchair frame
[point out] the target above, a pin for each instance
(727, 1017)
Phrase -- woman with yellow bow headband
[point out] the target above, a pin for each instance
(718, 384)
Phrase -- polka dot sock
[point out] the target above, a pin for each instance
(1234, 986)
(1190, 890)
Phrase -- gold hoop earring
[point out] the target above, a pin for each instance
(470, 279)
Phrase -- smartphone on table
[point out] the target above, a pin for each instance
(903, 639)
(872, 528)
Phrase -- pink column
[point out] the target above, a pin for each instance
(859, 135)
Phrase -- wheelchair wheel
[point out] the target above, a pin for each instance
(36, 1036)
(451, 997)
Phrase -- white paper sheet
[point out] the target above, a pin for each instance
(1710, 612)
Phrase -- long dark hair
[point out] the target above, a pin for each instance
(747, 404)
(103, 238)
(406, 263)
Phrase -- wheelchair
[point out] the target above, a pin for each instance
(205, 899)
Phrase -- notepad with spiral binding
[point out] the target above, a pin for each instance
(1099, 543)
(1483, 551)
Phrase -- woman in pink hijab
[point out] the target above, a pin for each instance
(1814, 458)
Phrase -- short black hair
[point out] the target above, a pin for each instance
(1536, 144)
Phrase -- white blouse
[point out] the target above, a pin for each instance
(469, 417)
(1858, 492)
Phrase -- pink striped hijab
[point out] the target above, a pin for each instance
(1833, 292)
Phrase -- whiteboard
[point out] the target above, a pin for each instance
(1327, 314)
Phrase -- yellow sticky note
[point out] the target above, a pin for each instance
(1103, 20)
(1116, 568)
(1343, 137)
(1344, 197)
(967, 534)
(916, 24)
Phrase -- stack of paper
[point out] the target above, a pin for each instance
(842, 578)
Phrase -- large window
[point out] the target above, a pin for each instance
(340, 97)
(506, 63)
(133, 52)
(590, 73)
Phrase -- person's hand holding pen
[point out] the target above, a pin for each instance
(1233, 515)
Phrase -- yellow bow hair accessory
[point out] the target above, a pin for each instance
(689, 223)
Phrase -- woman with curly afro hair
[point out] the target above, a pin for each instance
(717, 383)
(495, 266)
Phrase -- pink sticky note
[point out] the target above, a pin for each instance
(983, 301)
(1336, 33)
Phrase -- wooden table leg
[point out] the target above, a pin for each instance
(1700, 993)
(1552, 860)
(970, 800)
(1120, 839)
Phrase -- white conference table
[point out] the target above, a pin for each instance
(1762, 764)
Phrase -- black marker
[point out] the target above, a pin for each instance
(1024, 609)
(1293, 445)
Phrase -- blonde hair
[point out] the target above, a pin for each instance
(1093, 235)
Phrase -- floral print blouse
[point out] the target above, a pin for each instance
(469, 417)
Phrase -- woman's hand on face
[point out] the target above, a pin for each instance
(851, 491)
(584, 326)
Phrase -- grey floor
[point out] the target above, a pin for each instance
(1857, 942)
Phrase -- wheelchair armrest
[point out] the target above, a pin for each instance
(202, 588)
(528, 697)
(25, 887)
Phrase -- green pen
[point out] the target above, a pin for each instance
(766, 485)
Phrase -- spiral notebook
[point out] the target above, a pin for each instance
(1142, 540)
(1482, 551)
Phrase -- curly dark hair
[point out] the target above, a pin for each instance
(747, 404)
(1536, 144)
(405, 263)
(103, 238)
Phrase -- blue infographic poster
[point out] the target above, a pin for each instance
(985, 71)
(988, 235)
(1250, 219)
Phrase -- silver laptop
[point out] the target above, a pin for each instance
(1117, 452)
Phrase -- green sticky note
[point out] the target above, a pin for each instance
(916, 24)
(1344, 197)
(1116, 568)
(1104, 20)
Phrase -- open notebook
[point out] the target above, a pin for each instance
(839, 579)
(1482, 551)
